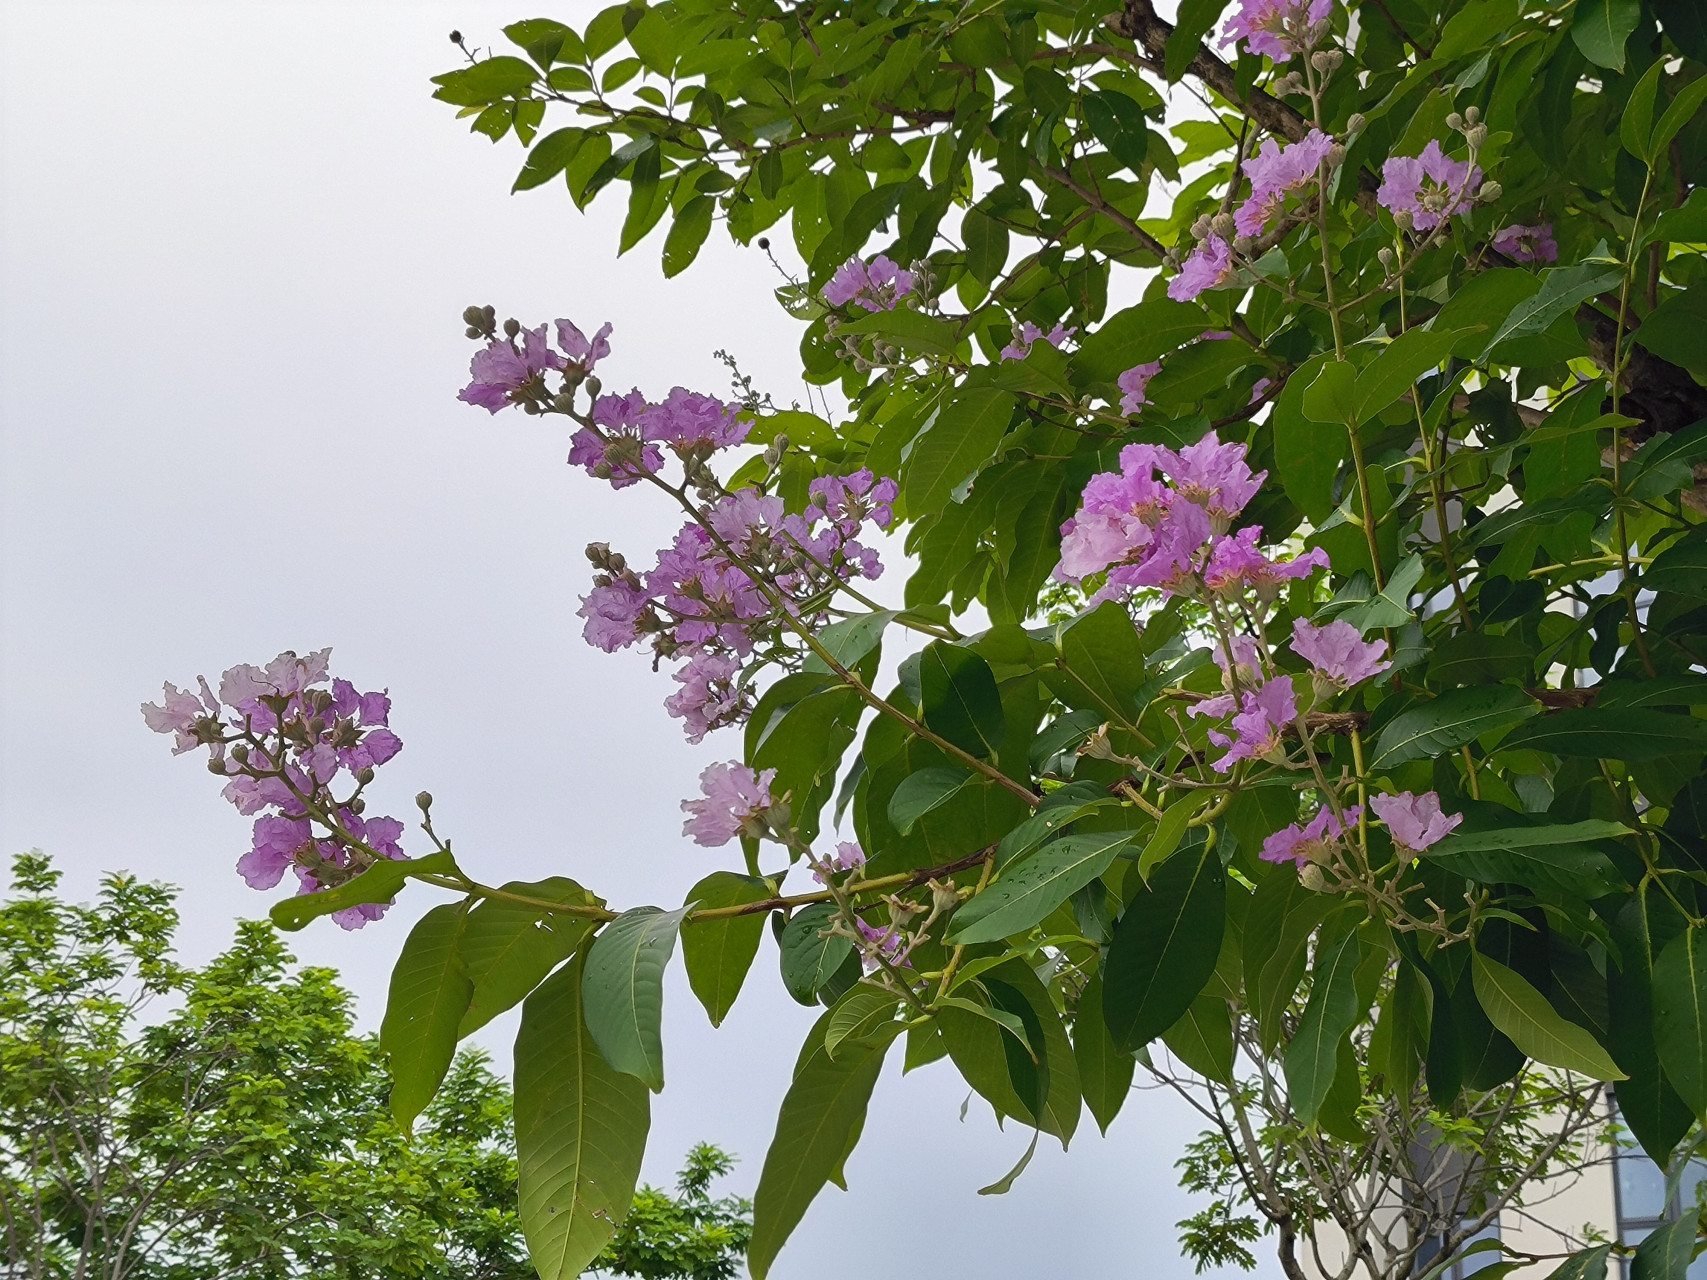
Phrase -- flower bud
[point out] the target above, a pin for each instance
(1336, 156)
(1385, 256)
(216, 765)
(357, 805)
(1200, 228)
(1404, 219)
(1455, 122)
(240, 752)
(563, 402)
(472, 332)
(1311, 878)
(1222, 225)
(424, 800)
(598, 553)
(943, 895)
(1490, 191)
(1244, 245)
(1322, 60)
(512, 327)
(364, 775)
(530, 408)
(1476, 135)
(781, 442)
(472, 315)
(602, 469)
(1354, 125)
(1472, 114)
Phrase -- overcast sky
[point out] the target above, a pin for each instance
(235, 240)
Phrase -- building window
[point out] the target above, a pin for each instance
(1464, 1268)
(1642, 1200)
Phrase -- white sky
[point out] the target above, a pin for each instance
(235, 240)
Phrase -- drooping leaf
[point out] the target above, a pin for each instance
(862, 1013)
(1203, 1038)
(623, 989)
(1030, 889)
(1136, 336)
(811, 954)
(1165, 946)
(580, 1131)
(1680, 1016)
(1523, 1014)
(429, 993)
(960, 700)
(379, 883)
(1601, 28)
(923, 792)
(1665, 1254)
(1313, 1056)
(1170, 828)
(718, 952)
(1105, 1073)
(508, 947)
(962, 439)
(1448, 722)
(1283, 915)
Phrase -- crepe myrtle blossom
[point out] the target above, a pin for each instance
(1133, 385)
(735, 802)
(285, 736)
(1527, 244)
(1212, 475)
(848, 855)
(581, 352)
(1237, 564)
(710, 696)
(877, 946)
(616, 451)
(878, 285)
(1258, 726)
(1338, 655)
(1280, 29)
(1025, 335)
(848, 501)
(1430, 187)
(1275, 173)
(1314, 841)
(504, 368)
(1209, 267)
(1415, 822)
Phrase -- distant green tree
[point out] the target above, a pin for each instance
(159, 1122)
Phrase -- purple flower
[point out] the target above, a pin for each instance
(1261, 721)
(1312, 842)
(612, 612)
(1117, 515)
(276, 842)
(709, 697)
(687, 420)
(383, 836)
(375, 748)
(582, 353)
(502, 369)
(1430, 187)
(888, 943)
(877, 286)
(1275, 172)
(370, 708)
(1209, 267)
(1134, 382)
(734, 803)
(1212, 475)
(180, 712)
(1415, 822)
(848, 856)
(621, 453)
(1338, 654)
(1236, 565)
(1527, 244)
(1171, 561)
(1281, 29)
(848, 501)
(1026, 334)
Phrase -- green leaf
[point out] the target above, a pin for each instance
(1562, 288)
(1312, 1057)
(959, 699)
(718, 952)
(1600, 29)
(1523, 1014)
(687, 234)
(1577, 870)
(508, 947)
(1389, 607)
(1004, 1184)
(1105, 1073)
(1636, 123)
(1480, 657)
(1448, 722)
(645, 203)
(810, 954)
(1307, 454)
(1401, 362)
(1666, 1252)
(986, 245)
(913, 331)
(549, 157)
(1686, 24)
(820, 1121)
(1673, 329)
(923, 791)
(1102, 661)
(1203, 1038)
(1686, 224)
(1165, 947)
(862, 1013)
(1030, 889)
(624, 989)
(1282, 917)
(1196, 19)
(851, 639)
(580, 1131)
(1332, 397)
(1619, 733)
(429, 992)
(963, 438)
(379, 883)
(486, 81)
(1548, 836)
(1170, 828)
(1474, 26)
(1656, 1115)
(1590, 1264)
(1680, 1016)
(1136, 336)
(1681, 568)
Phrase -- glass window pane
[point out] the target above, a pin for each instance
(1641, 1187)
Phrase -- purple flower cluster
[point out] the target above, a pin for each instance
(1312, 842)
(1275, 173)
(878, 285)
(1415, 822)
(626, 446)
(1209, 267)
(702, 603)
(1430, 187)
(284, 741)
(1281, 29)
(1261, 710)
(735, 801)
(847, 857)
(1337, 653)
(1527, 244)
(1170, 532)
(512, 370)
(1025, 335)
